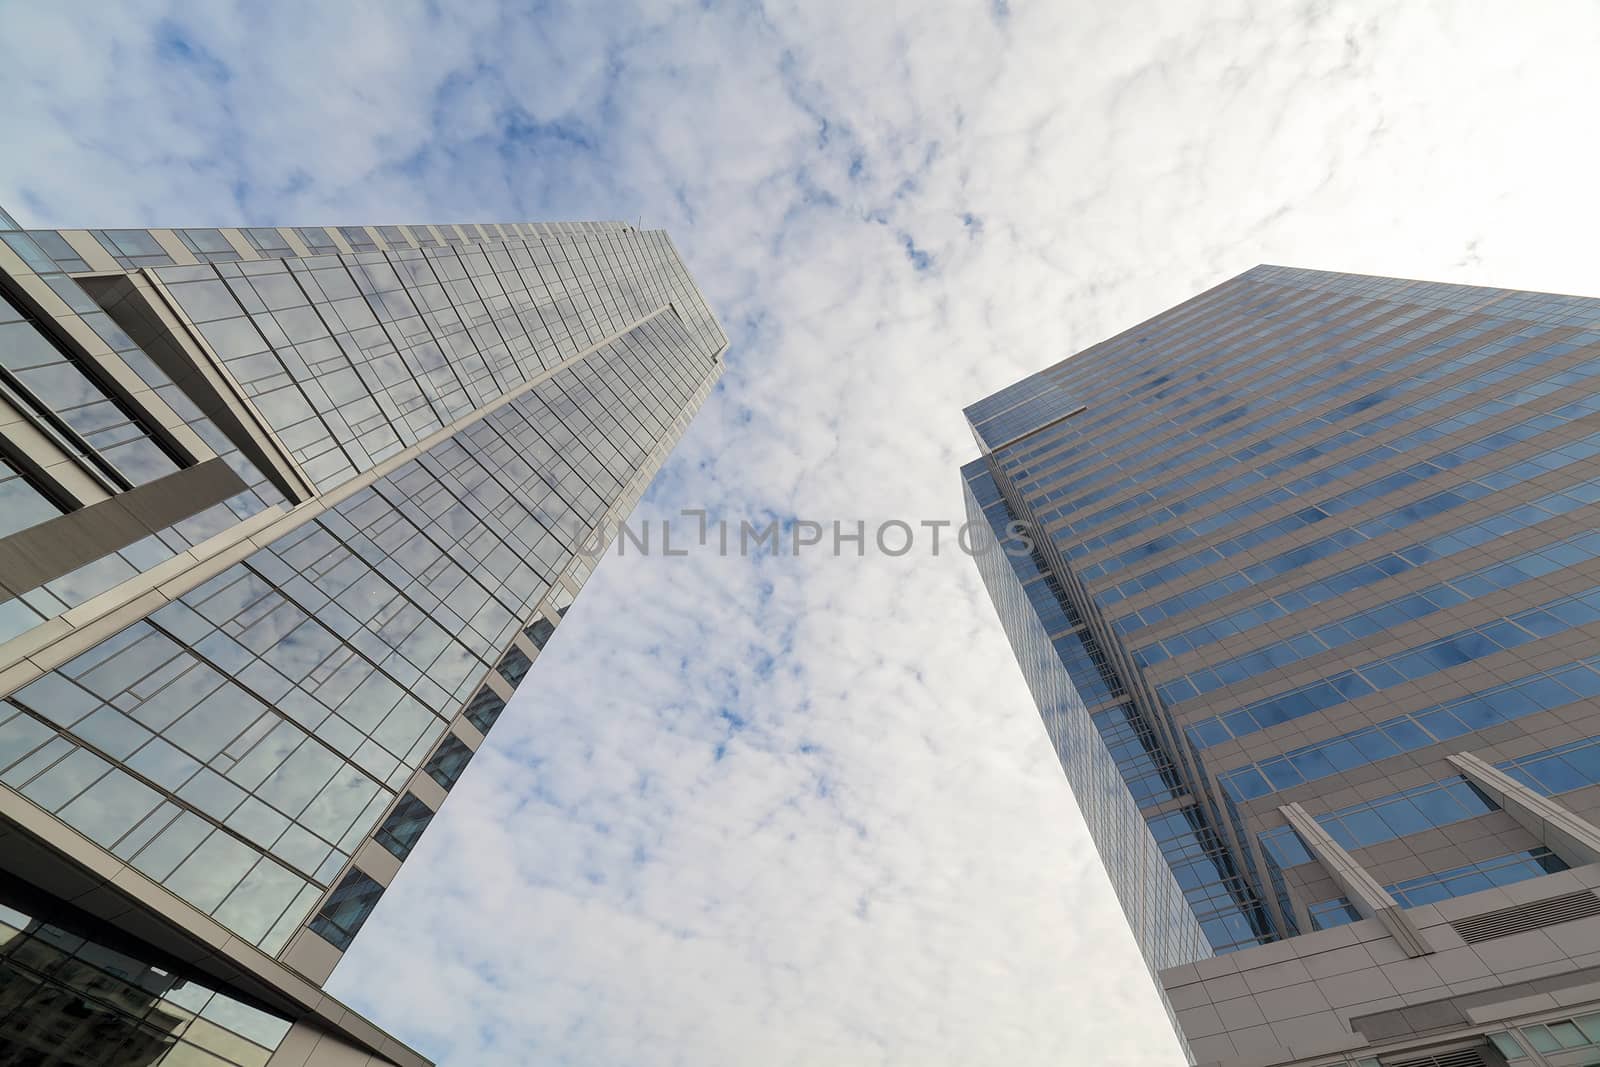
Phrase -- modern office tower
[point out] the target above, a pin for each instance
(1305, 579)
(285, 517)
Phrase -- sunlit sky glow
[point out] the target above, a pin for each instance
(801, 811)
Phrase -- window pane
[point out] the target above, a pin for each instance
(485, 709)
(540, 632)
(347, 907)
(400, 831)
(514, 667)
(448, 761)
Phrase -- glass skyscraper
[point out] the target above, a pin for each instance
(286, 515)
(1304, 575)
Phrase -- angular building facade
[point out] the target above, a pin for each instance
(286, 515)
(1304, 575)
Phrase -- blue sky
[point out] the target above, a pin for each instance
(801, 811)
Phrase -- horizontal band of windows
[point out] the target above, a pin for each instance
(1553, 617)
(1392, 482)
(1552, 1035)
(1223, 333)
(1100, 451)
(1457, 882)
(1474, 877)
(1517, 306)
(1204, 867)
(1515, 518)
(1282, 402)
(1268, 473)
(1216, 335)
(1360, 349)
(1411, 606)
(1397, 518)
(1386, 818)
(1542, 691)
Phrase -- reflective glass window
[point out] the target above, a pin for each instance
(514, 665)
(448, 761)
(540, 632)
(1473, 877)
(23, 502)
(267, 239)
(57, 248)
(1330, 913)
(72, 999)
(347, 907)
(403, 826)
(316, 238)
(485, 709)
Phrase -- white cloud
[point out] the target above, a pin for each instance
(885, 865)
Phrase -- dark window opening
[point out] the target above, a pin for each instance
(448, 761)
(540, 632)
(347, 907)
(514, 666)
(401, 830)
(485, 709)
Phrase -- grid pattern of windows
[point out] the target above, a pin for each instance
(1166, 926)
(238, 744)
(1169, 392)
(34, 606)
(351, 358)
(1162, 400)
(1532, 466)
(347, 641)
(1266, 465)
(1282, 491)
(1213, 886)
(1397, 518)
(1315, 423)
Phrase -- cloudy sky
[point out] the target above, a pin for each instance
(801, 811)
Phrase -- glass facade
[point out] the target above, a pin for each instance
(67, 996)
(1311, 534)
(1159, 868)
(314, 484)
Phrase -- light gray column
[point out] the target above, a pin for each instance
(1575, 840)
(1369, 898)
